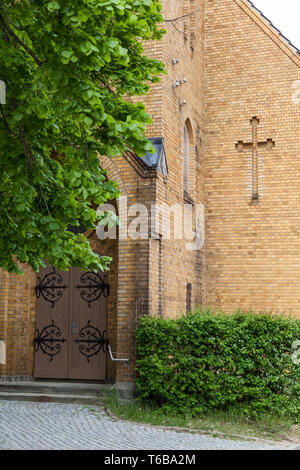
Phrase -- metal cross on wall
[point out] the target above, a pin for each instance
(254, 145)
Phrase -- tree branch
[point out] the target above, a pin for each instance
(5, 121)
(45, 201)
(178, 30)
(108, 87)
(19, 41)
(181, 17)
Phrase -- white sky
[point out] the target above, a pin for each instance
(285, 15)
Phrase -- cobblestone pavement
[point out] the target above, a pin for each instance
(55, 426)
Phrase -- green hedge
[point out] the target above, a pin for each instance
(215, 361)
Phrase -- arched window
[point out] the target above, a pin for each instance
(186, 159)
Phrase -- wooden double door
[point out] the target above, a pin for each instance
(70, 340)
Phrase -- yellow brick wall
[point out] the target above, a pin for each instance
(184, 40)
(252, 251)
(17, 322)
(179, 265)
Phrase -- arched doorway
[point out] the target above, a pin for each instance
(75, 317)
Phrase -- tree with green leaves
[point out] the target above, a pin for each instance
(69, 67)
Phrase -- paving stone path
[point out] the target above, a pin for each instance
(55, 426)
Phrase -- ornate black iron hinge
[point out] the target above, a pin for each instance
(50, 287)
(92, 287)
(91, 341)
(49, 340)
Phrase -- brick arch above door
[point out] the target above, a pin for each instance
(113, 172)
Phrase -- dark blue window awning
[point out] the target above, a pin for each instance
(158, 159)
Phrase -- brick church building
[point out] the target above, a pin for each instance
(226, 129)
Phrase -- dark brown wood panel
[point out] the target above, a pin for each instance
(52, 325)
(87, 356)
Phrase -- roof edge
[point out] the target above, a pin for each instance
(267, 26)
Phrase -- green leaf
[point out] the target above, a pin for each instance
(52, 6)
(67, 54)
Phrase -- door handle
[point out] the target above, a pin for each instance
(73, 328)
